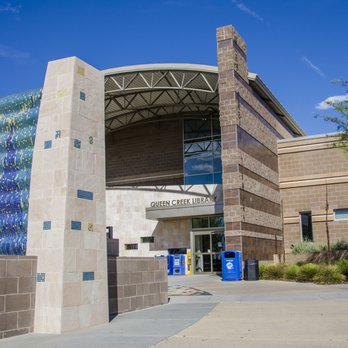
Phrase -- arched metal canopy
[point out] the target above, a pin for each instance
(151, 92)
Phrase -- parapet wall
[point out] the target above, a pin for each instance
(17, 294)
(136, 283)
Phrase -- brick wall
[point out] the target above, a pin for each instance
(249, 131)
(312, 173)
(136, 283)
(142, 151)
(17, 294)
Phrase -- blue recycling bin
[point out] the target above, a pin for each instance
(231, 265)
(179, 264)
(170, 262)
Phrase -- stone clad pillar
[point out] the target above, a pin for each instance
(249, 155)
(66, 227)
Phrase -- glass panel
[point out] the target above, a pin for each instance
(306, 226)
(217, 178)
(197, 128)
(199, 179)
(217, 263)
(341, 214)
(202, 243)
(199, 263)
(206, 263)
(216, 126)
(196, 147)
(216, 221)
(198, 164)
(200, 222)
(217, 240)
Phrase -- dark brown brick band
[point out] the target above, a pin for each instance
(258, 178)
(253, 201)
(255, 149)
(260, 229)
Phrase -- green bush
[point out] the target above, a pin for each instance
(262, 268)
(306, 247)
(342, 266)
(307, 272)
(300, 263)
(340, 245)
(273, 272)
(291, 272)
(329, 275)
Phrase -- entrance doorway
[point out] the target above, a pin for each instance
(207, 247)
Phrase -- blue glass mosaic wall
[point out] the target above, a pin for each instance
(18, 121)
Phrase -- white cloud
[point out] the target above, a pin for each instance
(247, 10)
(9, 8)
(325, 104)
(10, 53)
(312, 66)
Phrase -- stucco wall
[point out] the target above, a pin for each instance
(126, 212)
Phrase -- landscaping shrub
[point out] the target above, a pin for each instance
(342, 266)
(340, 245)
(273, 272)
(329, 275)
(262, 268)
(291, 272)
(300, 263)
(306, 247)
(307, 272)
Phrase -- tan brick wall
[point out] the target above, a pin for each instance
(310, 169)
(136, 283)
(146, 151)
(17, 294)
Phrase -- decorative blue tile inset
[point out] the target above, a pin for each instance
(85, 195)
(47, 144)
(77, 143)
(19, 115)
(40, 277)
(76, 225)
(83, 96)
(46, 225)
(87, 276)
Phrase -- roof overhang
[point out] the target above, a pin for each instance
(152, 92)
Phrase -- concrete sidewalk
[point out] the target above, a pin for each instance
(205, 312)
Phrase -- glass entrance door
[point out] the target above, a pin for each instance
(207, 247)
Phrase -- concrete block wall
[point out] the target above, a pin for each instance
(17, 294)
(136, 283)
(313, 172)
(249, 131)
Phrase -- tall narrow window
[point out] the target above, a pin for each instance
(306, 227)
(202, 151)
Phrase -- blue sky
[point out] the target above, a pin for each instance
(296, 46)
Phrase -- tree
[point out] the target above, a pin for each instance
(338, 104)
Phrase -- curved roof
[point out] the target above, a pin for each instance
(144, 93)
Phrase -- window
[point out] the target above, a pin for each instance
(202, 151)
(131, 246)
(306, 227)
(147, 239)
(208, 221)
(341, 214)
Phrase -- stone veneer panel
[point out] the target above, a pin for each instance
(249, 132)
(17, 294)
(136, 283)
(68, 185)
